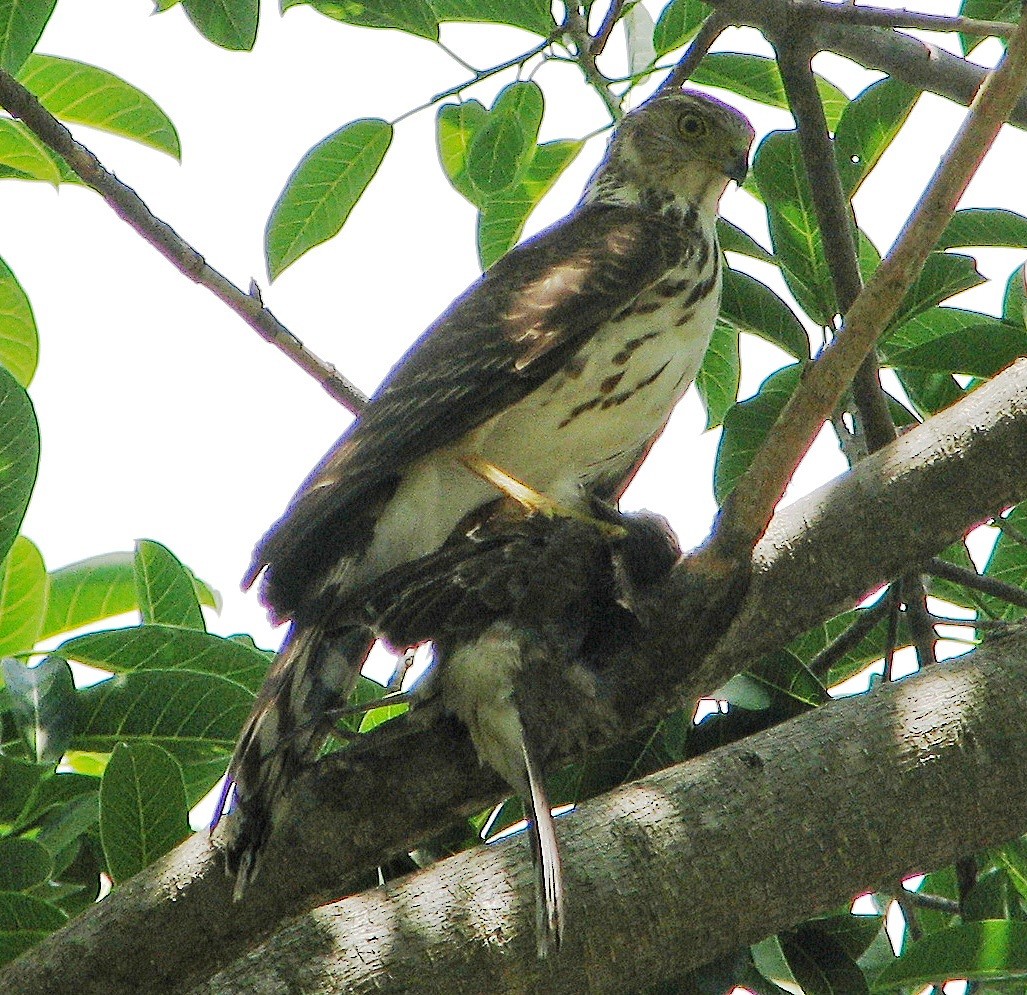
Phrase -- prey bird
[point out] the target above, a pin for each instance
(524, 615)
(549, 379)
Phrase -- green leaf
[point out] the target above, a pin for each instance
(719, 375)
(77, 92)
(949, 340)
(90, 590)
(532, 15)
(853, 933)
(323, 189)
(867, 126)
(19, 457)
(65, 824)
(455, 126)
(143, 811)
(416, 17)
(1015, 298)
(230, 24)
(502, 217)
(376, 716)
(994, 950)
(944, 274)
(164, 588)
(195, 717)
(21, 24)
(733, 239)
(24, 863)
(422, 17)
(50, 800)
(638, 36)
(929, 392)
(499, 150)
(975, 226)
(169, 648)
(991, 897)
(19, 340)
(25, 154)
(798, 247)
(820, 964)
(746, 426)
(1008, 562)
(751, 306)
(758, 78)
(43, 704)
(786, 674)
(24, 921)
(22, 597)
(859, 657)
(677, 24)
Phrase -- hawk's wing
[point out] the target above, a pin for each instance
(506, 335)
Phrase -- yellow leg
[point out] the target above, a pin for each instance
(534, 501)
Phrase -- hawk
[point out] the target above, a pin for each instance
(553, 373)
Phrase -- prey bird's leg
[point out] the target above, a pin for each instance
(531, 500)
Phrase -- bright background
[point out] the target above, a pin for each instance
(163, 416)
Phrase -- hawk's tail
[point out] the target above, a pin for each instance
(314, 672)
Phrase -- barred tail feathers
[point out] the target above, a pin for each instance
(314, 672)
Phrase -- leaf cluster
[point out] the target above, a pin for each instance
(96, 780)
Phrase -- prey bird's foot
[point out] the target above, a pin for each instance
(534, 501)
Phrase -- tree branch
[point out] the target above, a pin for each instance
(127, 204)
(748, 509)
(902, 56)
(819, 805)
(172, 925)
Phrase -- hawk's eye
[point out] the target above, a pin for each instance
(691, 125)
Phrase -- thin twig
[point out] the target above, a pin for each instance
(934, 903)
(866, 619)
(970, 623)
(477, 76)
(834, 218)
(706, 36)
(920, 624)
(1008, 529)
(748, 510)
(127, 204)
(891, 639)
(576, 28)
(602, 36)
(979, 582)
(909, 913)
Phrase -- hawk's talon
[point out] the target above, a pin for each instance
(535, 502)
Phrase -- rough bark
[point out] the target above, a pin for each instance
(686, 865)
(173, 925)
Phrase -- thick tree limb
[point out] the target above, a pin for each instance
(128, 205)
(174, 924)
(700, 858)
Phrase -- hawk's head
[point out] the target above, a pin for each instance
(684, 144)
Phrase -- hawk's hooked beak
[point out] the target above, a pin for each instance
(738, 166)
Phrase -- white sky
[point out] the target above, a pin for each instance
(163, 416)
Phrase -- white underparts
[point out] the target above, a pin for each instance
(478, 688)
